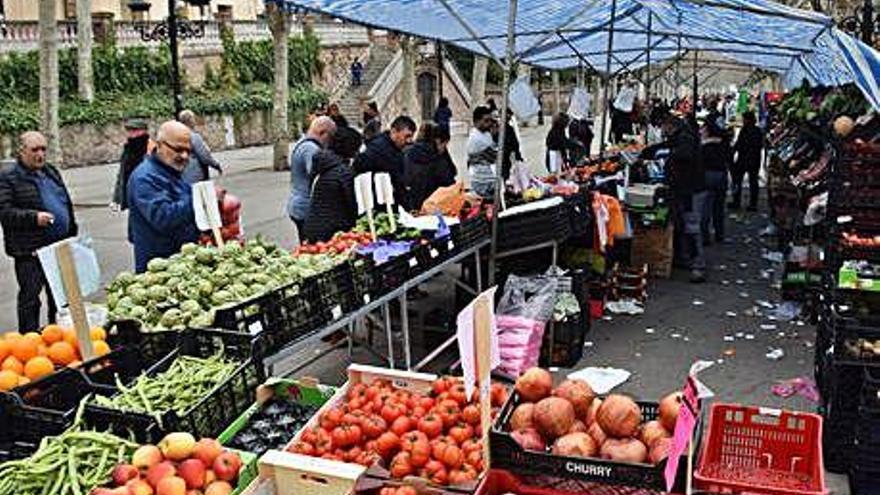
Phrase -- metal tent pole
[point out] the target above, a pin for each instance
(606, 114)
(439, 46)
(499, 183)
(648, 59)
(696, 84)
(678, 67)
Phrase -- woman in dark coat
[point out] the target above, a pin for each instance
(427, 165)
(557, 144)
(333, 207)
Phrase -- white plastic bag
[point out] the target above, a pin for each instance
(581, 106)
(522, 99)
(625, 99)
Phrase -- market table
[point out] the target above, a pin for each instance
(348, 321)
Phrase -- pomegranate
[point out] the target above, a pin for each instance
(624, 450)
(523, 416)
(669, 407)
(577, 444)
(619, 416)
(652, 431)
(554, 417)
(534, 384)
(596, 432)
(529, 439)
(660, 450)
(591, 412)
(579, 393)
(578, 426)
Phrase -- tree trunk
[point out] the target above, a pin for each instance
(85, 83)
(409, 91)
(49, 79)
(478, 80)
(279, 24)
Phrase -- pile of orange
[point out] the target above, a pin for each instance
(28, 357)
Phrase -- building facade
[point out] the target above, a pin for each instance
(27, 10)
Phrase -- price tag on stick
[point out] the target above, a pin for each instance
(385, 196)
(363, 192)
(61, 262)
(688, 415)
(207, 209)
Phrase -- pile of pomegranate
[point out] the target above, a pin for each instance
(571, 420)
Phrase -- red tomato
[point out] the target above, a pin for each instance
(471, 445)
(387, 444)
(409, 440)
(402, 396)
(418, 412)
(471, 414)
(346, 435)
(498, 394)
(356, 390)
(355, 417)
(441, 385)
(449, 412)
(401, 425)
(449, 454)
(332, 418)
(461, 432)
(401, 465)
(301, 447)
(374, 426)
(475, 460)
(420, 453)
(352, 454)
(390, 412)
(431, 425)
(435, 471)
(309, 435)
(457, 393)
(323, 442)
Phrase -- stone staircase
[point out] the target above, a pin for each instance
(351, 99)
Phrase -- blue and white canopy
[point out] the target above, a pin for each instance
(558, 34)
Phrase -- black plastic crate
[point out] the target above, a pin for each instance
(42, 408)
(390, 274)
(124, 363)
(534, 227)
(567, 347)
(871, 389)
(153, 346)
(840, 410)
(507, 454)
(868, 434)
(336, 290)
(863, 481)
(471, 232)
(211, 414)
(849, 333)
(251, 316)
(367, 280)
(580, 216)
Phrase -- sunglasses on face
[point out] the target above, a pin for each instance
(36, 149)
(177, 149)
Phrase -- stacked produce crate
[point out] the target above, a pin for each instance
(848, 336)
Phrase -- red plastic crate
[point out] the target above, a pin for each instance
(752, 450)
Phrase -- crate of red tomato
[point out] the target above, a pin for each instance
(568, 432)
(388, 426)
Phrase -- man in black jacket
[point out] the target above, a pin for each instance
(384, 153)
(35, 211)
(748, 149)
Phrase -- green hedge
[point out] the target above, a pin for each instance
(19, 115)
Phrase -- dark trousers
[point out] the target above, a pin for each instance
(713, 210)
(300, 228)
(688, 211)
(736, 176)
(31, 281)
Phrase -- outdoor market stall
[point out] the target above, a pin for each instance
(74, 427)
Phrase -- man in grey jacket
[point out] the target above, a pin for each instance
(201, 159)
(316, 138)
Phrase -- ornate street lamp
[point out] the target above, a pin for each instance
(171, 29)
(864, 23)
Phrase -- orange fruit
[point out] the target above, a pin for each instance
(42, 350)
(8, 380)
(34, 337)
(62, 353)
(52, 334)
(97, 333)
(23, 380)
(69, 336)
(5, 350)
(100, 347)
(38, 367)
(13, 365)
(24, 348)
(12, 336)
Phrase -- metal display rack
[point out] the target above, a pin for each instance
(347, 322)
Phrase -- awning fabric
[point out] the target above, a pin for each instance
(558, 34)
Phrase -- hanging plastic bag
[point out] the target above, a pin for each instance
(625, 99)
(447, 200)
(522, 99)
(531, 297)
(483, 179)
(581, 106)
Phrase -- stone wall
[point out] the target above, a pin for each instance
(461, 110)
(335, 63)
(86, 144)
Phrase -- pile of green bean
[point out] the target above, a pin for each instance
(70, 464)
(178, 388)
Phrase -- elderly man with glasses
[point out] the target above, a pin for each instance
(35, 211)
(161, 217)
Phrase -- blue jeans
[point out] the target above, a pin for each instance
(713, 210)
(688, 235)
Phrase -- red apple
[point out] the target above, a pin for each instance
(226, 466)
(122, 473)
(146, 456)
(219, 488)
(164, 469)
(206, 450)
(139, 487)
(210, 477)
(172, 485)
(193, 472)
